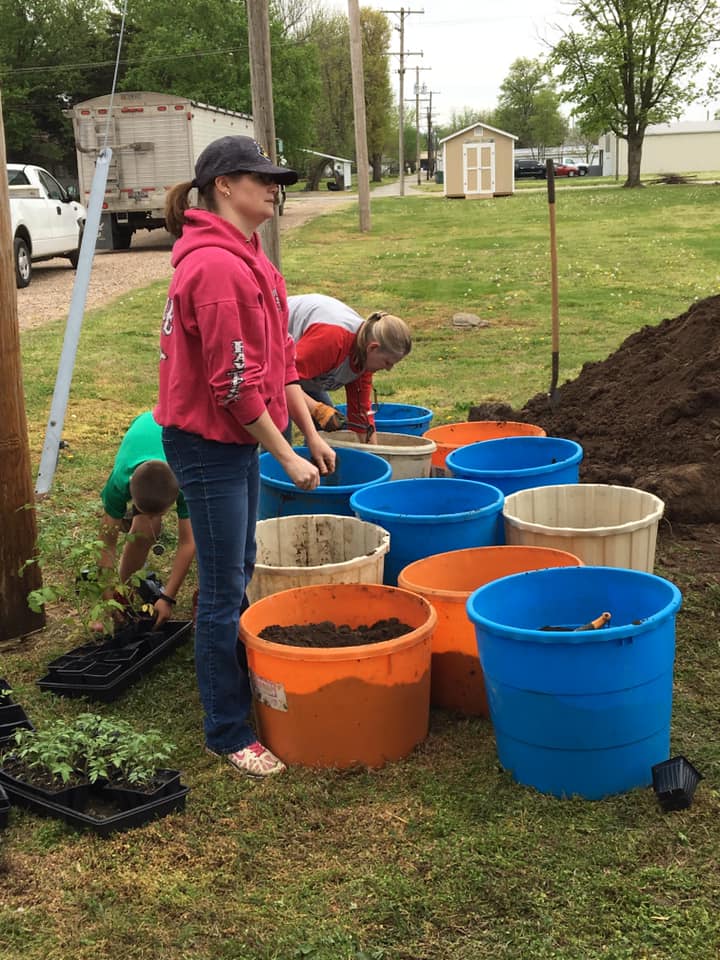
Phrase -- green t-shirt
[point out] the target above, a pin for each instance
(143, 441)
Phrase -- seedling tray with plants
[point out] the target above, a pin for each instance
(94, 773)
(102, 670)
(12, 715)
(99, 807)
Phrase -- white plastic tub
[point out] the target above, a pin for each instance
(313, 549)
(409, 456)
(602, 524)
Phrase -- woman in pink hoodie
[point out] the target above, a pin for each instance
(227, 383)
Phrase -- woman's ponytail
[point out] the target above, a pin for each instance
(391, 334)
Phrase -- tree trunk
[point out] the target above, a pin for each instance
(314, 175)
(634, 149)
(376, 164)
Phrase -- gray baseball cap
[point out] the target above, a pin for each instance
(237, 155)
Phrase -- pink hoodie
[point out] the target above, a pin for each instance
(225, 353)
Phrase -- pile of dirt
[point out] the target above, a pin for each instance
(648, 416)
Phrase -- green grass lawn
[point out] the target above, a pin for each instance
(441, 856)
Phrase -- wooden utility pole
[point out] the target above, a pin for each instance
(18, 525)
(418, 91)
(402, 13)
(358, 87)
(262, 106)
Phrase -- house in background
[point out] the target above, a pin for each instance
(685, 147)
(478, 162)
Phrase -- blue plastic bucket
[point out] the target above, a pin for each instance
(354, 469)
(516, 463)
(398, 418)
(585, 712)
(428, 516)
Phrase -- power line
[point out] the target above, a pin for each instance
(110, 63)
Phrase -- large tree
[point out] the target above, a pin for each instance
(42, 44)
(378, 91)
(329, 33)
(200, 50)
(631, 63)
(529, 107)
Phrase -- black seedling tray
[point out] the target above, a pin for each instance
(12, 717)
(4, 808)
(102, 671)
(96, 808)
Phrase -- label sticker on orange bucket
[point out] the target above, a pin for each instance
(268, 692)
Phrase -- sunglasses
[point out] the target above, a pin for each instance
(266, 179)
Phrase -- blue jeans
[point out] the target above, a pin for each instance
(220, 483)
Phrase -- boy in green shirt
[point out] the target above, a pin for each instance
(138, 493)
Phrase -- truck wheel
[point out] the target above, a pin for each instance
(23, 263)
(75, 255)
(121, 236)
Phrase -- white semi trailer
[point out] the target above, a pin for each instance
(155, 140)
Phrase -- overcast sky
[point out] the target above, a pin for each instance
(470, 44)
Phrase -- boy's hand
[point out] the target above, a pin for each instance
(163, 612)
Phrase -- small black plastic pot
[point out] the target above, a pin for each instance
(674, 783)
(7, 730)
(71, 797)
(5, 698)
(12, 717)
(166, 782)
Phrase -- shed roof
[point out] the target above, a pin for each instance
(485, 126)
(328, 156)
(684, 126)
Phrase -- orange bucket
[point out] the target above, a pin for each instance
(341, 706)
(446, 580)
(454, 435)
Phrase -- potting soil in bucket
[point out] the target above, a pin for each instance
(427, 516)
(516, 463)
(354, 469)
(340, 706)
(583, 712)
(398, 418)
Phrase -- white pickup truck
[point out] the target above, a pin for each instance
(46, 219)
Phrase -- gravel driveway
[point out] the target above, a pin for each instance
(148, 259)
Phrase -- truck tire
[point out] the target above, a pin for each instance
(75, 255)
(23, 263)
(121, 236)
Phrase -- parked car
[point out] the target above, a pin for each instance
(582, 167)
(532, 169)
(45, 218)
(566, 170)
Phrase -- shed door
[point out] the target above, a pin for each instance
(479, 168)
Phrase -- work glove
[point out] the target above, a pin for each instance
(327, 418)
